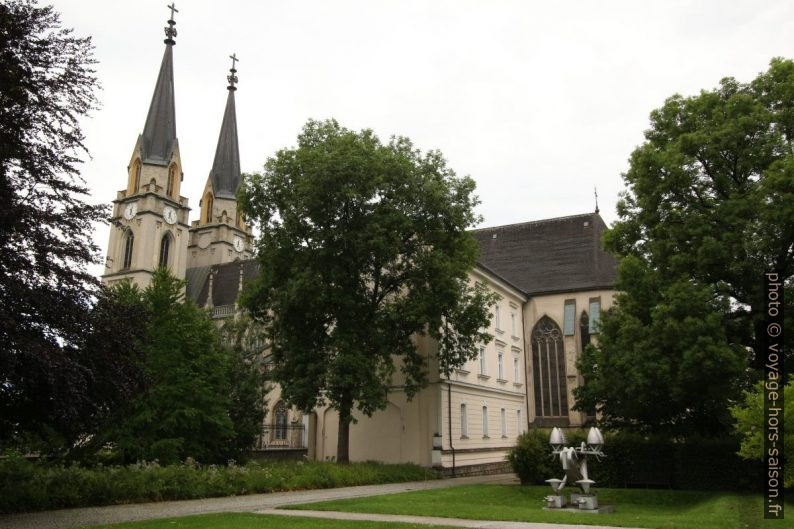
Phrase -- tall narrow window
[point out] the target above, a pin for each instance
(519, 423)
(482, 361)
(165, 246)
(513, 324)
(501, 365)
(584, 330)
(129, 241)
(568, 323)
(548, 370)
(516, 371)
(136, 179)
(503, 422)
(497, 317)
(280, 421)
(169, 188)
(595, 314)
(485, 421)
(208, 218)
(464, 422)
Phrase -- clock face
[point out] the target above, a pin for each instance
(169, 214)
(238, 244)
(130, 211)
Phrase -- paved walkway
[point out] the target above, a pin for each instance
(70, 518)
(431, 520)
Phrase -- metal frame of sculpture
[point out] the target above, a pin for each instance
(574, 464)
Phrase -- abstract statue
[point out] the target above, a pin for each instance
(574, 464)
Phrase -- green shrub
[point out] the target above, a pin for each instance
(30, 486)
(531, 458)
(636, 461)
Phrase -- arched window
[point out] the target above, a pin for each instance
(280, 421)
(208, 218)
(129, 240)
(165, 246)
(548, 370)
(136, 176)
(584, 329)
(169, 188)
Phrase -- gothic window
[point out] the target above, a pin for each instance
(280, 421)
(136, 179)
(165, 246)
(548, 370)
(584, 329)
(129, 240)
(169, 188)
(209, 209)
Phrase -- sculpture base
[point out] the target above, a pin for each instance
(584, 501)
(555, 502)
(604, 509)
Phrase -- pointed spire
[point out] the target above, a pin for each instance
(226, 166)
(159, 132)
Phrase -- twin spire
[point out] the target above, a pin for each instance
(158, 140)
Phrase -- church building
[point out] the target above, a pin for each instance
(552, 277)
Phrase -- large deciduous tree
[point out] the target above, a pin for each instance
(363, 249)
(709, 208)
(46, 293)
(202, 399)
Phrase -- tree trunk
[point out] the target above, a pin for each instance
(343, 437)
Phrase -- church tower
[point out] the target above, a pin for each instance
(221, 234)
(149, 225)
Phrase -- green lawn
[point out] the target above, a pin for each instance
(657, 509)
(257, 521)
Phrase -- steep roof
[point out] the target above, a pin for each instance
(225, 281)
(225, 172)
(159, 132)
(553, 255)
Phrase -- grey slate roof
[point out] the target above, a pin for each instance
(225, 281)
(553, 255)
(159, 132)
(545, 256)
(226, 166)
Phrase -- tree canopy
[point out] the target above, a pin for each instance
(196, 402)
(363, 249)
(709, 207)
(46, 293)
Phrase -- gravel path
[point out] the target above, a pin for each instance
(70, 518)
(430, 520)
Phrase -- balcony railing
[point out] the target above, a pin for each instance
(276, 437)
(223, 311)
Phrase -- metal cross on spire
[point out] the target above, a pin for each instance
(170, 30)
(232, 77)
(595, 192)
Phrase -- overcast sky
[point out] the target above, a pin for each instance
(537, 101)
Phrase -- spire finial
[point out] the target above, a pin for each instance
(232, 77)
(595, 192)
(170, 30)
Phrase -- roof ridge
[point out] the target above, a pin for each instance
(539, 221)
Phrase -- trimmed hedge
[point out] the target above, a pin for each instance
(635, 461)
(29, 486)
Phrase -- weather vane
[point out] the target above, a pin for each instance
(170, 30)
(232, 77)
